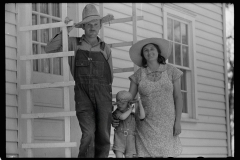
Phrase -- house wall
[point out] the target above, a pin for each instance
(208, 136)
(11, 80)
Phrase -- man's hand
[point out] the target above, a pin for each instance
(66, 21)
(115, 122)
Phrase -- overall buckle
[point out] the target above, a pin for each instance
(125, 133)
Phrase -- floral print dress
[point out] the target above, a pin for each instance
(154, 135)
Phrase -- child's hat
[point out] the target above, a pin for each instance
(123, 96)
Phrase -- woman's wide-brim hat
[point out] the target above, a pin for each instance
(90, 13)
(135, 51)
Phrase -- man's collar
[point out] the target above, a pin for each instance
(84, 39)
(161, 68)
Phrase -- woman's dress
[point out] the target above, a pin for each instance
(154, 135)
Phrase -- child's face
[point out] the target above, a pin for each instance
(122, 105)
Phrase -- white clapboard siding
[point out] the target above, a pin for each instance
(11, 80)
(207, 136)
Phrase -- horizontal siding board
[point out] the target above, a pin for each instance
(200, 11)
(10, 41)
(149, 33)
(120, 63)
(212, 119)
(11, 100)
(210, 81)
(209, 66)
(120, 7)
(211, 104)
(211, 112)
(123, 75)
(209, 44)
(211, 89)
(11, 88)
(210, 6)
(210, 22)
(211, 97)
(144, 24)
(203, 127)
(210, 29)
(147, 7)
(159, 5)
(11, 65)
(203, 134)
(11, 123)
(210, 74)
(122, 36)
(204, 150)
(11, 53)
(11, 76)
(11, 148)
(210, 52)
(120, 54)
(210, 59)
(10, 17)
(11, 136)
(11, 112)
(120, 82)
(10, 7)
(187, 142)
(209, 36)
(10, 29)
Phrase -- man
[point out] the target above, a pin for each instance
(92, 71)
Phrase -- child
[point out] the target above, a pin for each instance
(124, 133)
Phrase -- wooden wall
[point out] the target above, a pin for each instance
(11, 80)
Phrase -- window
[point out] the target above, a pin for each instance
(178, 28)
(43, 13)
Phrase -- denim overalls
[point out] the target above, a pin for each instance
(93, 97)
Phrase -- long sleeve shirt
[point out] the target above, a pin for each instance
(55, 45)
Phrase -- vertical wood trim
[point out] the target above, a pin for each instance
(101, 14)
(134, 22)
(66, 78)
(226, 81)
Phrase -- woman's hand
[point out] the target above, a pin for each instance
(177, 129)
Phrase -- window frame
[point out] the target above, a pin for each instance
(186, 16)
(39, 43)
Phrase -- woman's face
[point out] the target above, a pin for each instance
(150, 53)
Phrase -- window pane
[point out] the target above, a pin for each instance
(34, 6)
(35, 62)
(184, 33)
(55, 30)
(184, 97)
(185, 56)
(34, 22)
(45, 63)
(170, 59)
(44, 32)
(177, 54)
(57, 66)
(44, 8)
(183, 80)
(55, 9)
(177, 31)
(170, 28)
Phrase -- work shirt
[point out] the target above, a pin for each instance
(55, 45)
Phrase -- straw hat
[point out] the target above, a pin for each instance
(90, 13)
(135, 51)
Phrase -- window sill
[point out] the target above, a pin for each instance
(190, 120)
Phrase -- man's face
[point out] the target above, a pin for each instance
(92, 28)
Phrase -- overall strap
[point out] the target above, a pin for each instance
(102, 45)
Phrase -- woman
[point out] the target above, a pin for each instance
(158, 84)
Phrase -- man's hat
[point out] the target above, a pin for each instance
(135, 51)
(90, 13)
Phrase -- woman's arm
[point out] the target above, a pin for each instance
(133, 89)
(177, 95)
(141, 110)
